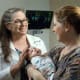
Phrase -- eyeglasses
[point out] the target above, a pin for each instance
(19, 22)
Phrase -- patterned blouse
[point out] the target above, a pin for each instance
(67, 68)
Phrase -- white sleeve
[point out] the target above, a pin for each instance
(37, 42)
(5, 74)
(42, 46)
(4, 70)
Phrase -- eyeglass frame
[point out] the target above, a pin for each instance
(19, 21)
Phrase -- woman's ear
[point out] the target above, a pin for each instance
(67, 27)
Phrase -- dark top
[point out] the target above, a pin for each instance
(68, 68)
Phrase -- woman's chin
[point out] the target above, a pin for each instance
(23, 33)
(58, 39)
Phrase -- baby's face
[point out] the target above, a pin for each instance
(34, 52)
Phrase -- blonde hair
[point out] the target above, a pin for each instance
(71, 15)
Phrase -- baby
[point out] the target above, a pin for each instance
(43, 63)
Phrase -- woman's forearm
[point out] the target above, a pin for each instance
(35, 74)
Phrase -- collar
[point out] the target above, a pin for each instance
(28, 38)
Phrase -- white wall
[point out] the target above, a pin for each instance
(55, 4)
(26, 4)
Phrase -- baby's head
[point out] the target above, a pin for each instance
(34, 52)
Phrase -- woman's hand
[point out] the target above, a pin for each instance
(15, 68)
(34, 74)
(23, 56)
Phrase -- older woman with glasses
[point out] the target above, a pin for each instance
(14, 44)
